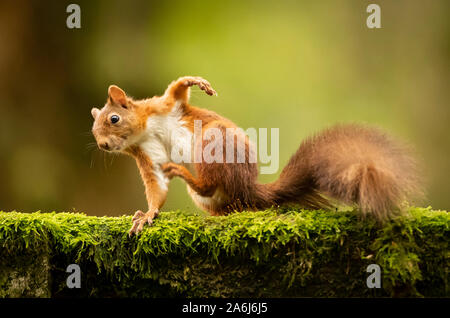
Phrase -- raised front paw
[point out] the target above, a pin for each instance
(140, 219)
(202, 83)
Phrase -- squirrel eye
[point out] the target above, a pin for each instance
(114, 119)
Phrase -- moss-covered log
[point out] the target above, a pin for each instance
(251, 254)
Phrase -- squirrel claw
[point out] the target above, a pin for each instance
(203, 84)
(139, 219)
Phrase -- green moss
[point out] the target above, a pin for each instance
(250, 254)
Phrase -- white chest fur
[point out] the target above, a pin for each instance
(163, 133)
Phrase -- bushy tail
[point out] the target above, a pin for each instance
(352, 164)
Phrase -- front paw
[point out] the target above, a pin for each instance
(140, 219)
(170, 170)
(203, 84)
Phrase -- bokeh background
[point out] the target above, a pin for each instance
(297, 65)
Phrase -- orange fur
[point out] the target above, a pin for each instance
(349, 163)
(154, 194)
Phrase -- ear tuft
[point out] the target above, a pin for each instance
(117, 95)
(95, 112)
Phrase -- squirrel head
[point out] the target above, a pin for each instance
(119, 123)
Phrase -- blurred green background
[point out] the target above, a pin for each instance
(297, 65)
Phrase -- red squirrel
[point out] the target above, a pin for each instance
(349, 163)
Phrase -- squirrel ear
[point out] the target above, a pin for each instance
(94, 112)
(117, 95)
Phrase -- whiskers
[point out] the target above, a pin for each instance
(96, 154)
(91, 145)
(86, 133)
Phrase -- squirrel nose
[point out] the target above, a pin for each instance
(104, 145)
